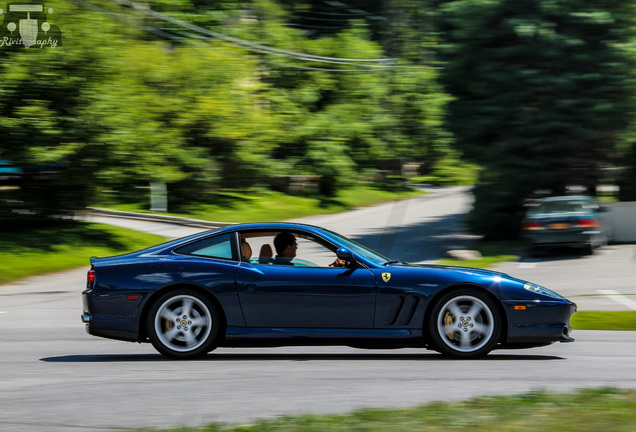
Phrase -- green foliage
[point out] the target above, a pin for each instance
(538, 93)
(543, 90)
(119, 106)
(450, 171)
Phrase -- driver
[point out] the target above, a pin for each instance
(286, 247)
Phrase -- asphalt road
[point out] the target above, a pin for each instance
(55, 377)
(605, 281)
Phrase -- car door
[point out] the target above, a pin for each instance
(306, 297)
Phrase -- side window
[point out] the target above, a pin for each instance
(308, 251)
(213, 247)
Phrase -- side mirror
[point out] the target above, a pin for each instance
(344, 254)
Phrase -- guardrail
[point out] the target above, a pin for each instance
(158, 218)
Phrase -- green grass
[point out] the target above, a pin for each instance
(491, 254)
(588, 410)
(63, 245)
(590, 320)
(450, 172)
(270, 206)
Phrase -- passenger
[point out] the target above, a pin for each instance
(286, 246)
(246, 250)
(265, 257)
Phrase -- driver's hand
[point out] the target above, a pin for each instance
(338, 263)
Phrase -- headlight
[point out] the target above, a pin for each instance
(541, 290)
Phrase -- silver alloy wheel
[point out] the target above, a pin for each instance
(465, 323)
(183, 323)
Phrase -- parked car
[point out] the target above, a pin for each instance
(9, 173)
(226, 288)
(566, 221)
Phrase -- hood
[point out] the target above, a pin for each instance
(469, 270)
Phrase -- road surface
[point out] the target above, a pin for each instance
(55, 377)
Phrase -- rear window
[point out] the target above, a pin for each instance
(571, 206)
(213, 247)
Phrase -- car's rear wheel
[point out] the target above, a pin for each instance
(465, 323)
(183, 324)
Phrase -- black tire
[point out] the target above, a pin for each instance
(183, 324)
(464, 323)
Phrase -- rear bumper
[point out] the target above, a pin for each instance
(111, 329)
(105, 325)
(555, 238)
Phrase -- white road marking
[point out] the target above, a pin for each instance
(527, 265)
(619, 298)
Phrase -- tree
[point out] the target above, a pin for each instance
(542, 91)
(134, 98)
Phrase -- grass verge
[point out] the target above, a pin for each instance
(63, 245)
(270, 206)
(591, 320)
(586, 410)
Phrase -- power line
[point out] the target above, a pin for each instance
(301, 15)
(166, 35)
(208, 35)
(351, 9)
(348, 14)
(316, 26)
(297, 55)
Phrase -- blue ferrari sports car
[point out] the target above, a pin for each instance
(277, 284)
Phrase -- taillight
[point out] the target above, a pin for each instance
(90, 278)
(532, 226)
(588, 223)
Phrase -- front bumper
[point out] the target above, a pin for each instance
(539, 322)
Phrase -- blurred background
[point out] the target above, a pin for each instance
(215, 101)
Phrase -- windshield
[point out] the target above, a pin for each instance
(359, 249)
(564, 206)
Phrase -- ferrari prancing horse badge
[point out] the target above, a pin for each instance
(386, 277)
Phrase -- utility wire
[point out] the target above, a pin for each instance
(348, 14)
(208, 35)
(351, 9)
(316, 26)
(166, 35)
(297, 55)
(301, 15)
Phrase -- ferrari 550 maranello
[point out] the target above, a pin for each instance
(284, 284)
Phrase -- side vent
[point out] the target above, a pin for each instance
(405, 310)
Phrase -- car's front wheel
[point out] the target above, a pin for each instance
(464, 323)
(183, 324)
